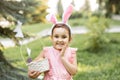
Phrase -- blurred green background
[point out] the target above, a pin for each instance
(98, 54)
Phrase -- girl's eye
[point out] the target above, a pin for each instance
(64, 36)
(56, 36)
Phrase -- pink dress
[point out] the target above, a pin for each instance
(57, 70)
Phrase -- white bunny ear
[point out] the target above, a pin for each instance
(67, 13)
(51, 18)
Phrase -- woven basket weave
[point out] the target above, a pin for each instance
(41, 66)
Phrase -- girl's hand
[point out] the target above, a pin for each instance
(63, 50)
(33, 74)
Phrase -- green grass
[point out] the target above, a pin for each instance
(15, 54)
(103, 65)
(35, 28)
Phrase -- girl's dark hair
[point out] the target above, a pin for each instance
(62, 25)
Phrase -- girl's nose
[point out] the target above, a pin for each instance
(59, 39)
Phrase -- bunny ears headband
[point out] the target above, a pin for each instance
(67, 13)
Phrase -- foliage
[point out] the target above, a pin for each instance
(40, 12)
(13, 10)
(113, 7)
(6, 32)
(22, 10)
(109, 7)
(96, 33)
(76, 15)
(76, 22)
(8, 72)
(16, 10)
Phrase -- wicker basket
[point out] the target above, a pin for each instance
(41, 66)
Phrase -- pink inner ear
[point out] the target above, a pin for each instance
(51, 18)
(67, 13)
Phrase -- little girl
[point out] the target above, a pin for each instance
(62, 58)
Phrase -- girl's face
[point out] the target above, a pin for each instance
(60, 38)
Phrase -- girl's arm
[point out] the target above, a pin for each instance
(70, 67)
(35, 74)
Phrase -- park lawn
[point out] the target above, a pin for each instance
(37, 27)
(103, 65)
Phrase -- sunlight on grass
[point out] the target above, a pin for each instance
(35, 28)
(89, 68)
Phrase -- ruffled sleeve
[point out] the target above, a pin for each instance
(73, 54)
(45, 50)
(74, 50)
